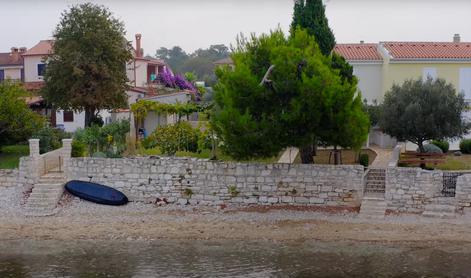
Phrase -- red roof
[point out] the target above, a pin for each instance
(359, 51)
(10, 59)
(44, 47)
(429, 50)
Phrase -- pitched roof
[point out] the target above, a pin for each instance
(44, 47)
(9, 59)
(429, 50)
(359, 51)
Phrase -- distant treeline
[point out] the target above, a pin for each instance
(200, 62)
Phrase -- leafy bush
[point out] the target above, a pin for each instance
(78, 149)
(465, 146)
(364, 159)
(178, 137)
(430, 148)
(50, 138)
(443, 145)
(109, 139)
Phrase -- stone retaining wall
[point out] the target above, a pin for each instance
(8, 177)
(463, 192)
(199, 181)
(410, 189)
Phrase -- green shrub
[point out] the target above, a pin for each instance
(178, 137)
(78, 149)
(99, 155)
(364, 159)
(50, 138)
(443, 145)
(465, 146)
(109, 139)
(430, 148)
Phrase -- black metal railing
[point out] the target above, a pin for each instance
(449, 183)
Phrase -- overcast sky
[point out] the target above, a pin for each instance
(194, 24)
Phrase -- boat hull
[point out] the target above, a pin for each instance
(97, 193)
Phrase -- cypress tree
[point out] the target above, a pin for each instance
(310, 14)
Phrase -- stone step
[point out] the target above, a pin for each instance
(373, 207)
(442, 215)
(440, 208)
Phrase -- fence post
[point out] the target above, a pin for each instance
(66, 155)
(35, 159)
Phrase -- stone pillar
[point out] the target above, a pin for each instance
(34, 155)
(34, 148)
(66, 155)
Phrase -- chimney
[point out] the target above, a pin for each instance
(23, 50)
(456, 38)
(138, 45)
(362, 42)
(14, 53)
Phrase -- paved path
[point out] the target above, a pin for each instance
(289, 155)
(383, 157)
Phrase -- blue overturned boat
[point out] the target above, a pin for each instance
(96, 193)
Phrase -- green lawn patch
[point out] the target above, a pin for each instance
(10, 156)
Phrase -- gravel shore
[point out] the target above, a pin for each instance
(137, 221)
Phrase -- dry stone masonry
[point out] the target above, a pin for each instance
(198, 181)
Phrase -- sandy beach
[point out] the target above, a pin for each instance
(137, 221)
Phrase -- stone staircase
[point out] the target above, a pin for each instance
(45, 195)
(373, 207)
(441, 207)
(373, 204)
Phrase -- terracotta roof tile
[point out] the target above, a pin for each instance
(9, 59)
(359, 51)
(44, 47)
(33, 86)
(429, 50)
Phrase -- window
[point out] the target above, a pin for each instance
(465, 83)
(41, 69)
(68, 116)
(2, 75)
(429, 73)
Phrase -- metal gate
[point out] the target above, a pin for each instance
(449, 183)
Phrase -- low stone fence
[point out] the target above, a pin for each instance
(199, 181)
(8, 177)
(410, 189)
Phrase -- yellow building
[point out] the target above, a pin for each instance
(379, 66)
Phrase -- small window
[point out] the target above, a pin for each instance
(68, 116)
(41, 69)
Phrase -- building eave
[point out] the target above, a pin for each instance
(429, 61)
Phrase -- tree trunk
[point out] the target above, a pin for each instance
(89, 115)
(421, 150)
(314, 148)
(336, 156)
(306, 154)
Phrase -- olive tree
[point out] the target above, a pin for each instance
(419, 111)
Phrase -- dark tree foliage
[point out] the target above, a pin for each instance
(86, 71)
(419, 111)
(301, 98)
(310, 14)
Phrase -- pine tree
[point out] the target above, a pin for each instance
(310, 14)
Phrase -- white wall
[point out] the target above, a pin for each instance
(12, 73)
(369, 81)
(31, 68)
(79, 120)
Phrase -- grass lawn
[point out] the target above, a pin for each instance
(10, 156)
(207, 154)
(455, 163)
(349, 157)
